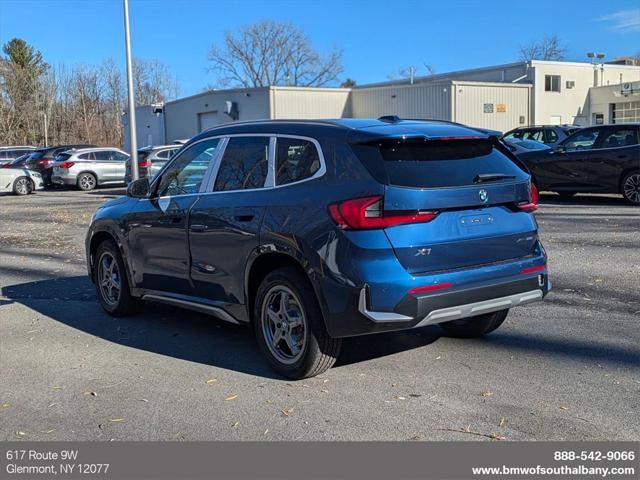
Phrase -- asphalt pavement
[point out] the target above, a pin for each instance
(564, 369)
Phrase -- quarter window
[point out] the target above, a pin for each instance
(552, 83)
(296, 159)
(244, 164)
(185, 174)
(552, 137)
(87, 156)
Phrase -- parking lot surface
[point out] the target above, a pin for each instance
(564, 369)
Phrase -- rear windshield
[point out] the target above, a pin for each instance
(37, 155)
(437, 163)
(142, 154)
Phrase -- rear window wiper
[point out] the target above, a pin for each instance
(491, 177)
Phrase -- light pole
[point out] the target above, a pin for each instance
(132, 106)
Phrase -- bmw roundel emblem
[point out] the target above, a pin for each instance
(484, 196)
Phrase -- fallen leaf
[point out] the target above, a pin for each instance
(231, 397)
(415, 395)
(57, 387)
(116, 420)
(211, 381)
(501, 422)
(48, 431)
(235, 424)
(51, 405)
(20, 433)
(143, 400)
(6, 405)
(287, 413)
(266, 431)
(93, 394)
(562, 407)
(488, 393)
(401, 398)
(324, 390)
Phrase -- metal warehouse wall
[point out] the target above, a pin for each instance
(411, 101)
(184, 118)
(309, 103)
(498, 106)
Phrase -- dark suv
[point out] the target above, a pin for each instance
(311, 231)
(42, 159)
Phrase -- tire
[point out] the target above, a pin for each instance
(474, 326)
(22, 186)
(314, 351)
(630, 187)
(86, 181)
(566, 195)
(108, 258)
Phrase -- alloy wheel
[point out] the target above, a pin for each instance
(284, 324)
(631, 188)
(109, 278)
(22, 186)
(87, 182)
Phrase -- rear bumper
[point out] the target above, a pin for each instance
(64, 179)
(420, 310)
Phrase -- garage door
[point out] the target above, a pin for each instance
(208, 120)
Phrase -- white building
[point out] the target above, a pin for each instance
(500, 97)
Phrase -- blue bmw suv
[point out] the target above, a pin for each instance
(312, 231)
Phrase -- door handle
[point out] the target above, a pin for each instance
(244, 218)
(197, 227)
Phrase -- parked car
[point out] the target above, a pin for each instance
(519, 147)
(151, 160)
(547, 134)
(20, 181)
(311, 231)
(87, 168)
(18, 162)
(9, 154)
(600, 159)
(41, 159)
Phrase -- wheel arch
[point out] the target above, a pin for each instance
(624, 173)
(96, 239)
(262, 264)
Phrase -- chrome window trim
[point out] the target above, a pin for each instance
(321, 171)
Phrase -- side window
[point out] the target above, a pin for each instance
(582, 140)
(537, 135)
(244, 164)
(87, 156)
(552, 136)
(296, 159)
(119, 156)
(103, 155)
(185, 174)
(164, 154)
(552, 83)
(619, 137)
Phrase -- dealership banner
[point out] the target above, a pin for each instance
(319, 460)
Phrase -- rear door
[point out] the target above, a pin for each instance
(472, 187)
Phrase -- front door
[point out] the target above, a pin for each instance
(158, 235)
(225, 224)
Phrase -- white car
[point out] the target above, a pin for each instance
(20, 181)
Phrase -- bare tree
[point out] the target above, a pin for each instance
(405, 73)
(271, 53)
(549, 48)
(153, 82)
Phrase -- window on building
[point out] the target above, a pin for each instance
(296, 160)
(626, 112)
(244, 164)
(552, 83)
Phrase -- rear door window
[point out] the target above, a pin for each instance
(437, 163)
(619, 137)
(87, 156)
(296, 160)
(244, 164)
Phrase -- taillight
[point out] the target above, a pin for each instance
(532, 204)
(528, 270)
(367, 213)
(66, 165)
(144, 164)
(431, 288)
(43, 162)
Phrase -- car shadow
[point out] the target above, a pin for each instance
(200, 338)
(584, 200)
(183, 334)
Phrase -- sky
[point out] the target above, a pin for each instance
(377, 37)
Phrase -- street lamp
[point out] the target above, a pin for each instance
(132, 106)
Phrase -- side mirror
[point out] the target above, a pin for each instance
(139, 188)
(559, 150)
